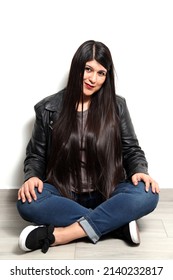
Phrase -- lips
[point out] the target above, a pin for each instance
(88, 86)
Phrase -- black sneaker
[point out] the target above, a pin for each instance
(129, 233)
(36, 237)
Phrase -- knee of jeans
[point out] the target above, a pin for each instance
(155, 199)
(148, 197)
(150, 201)
(26, 210)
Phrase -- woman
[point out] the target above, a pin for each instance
(85, 173)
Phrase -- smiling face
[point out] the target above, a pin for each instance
(94, 77)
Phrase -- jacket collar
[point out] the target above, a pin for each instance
(54, 102)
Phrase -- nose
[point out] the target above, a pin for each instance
(93, 77)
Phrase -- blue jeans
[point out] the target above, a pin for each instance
(97, 218)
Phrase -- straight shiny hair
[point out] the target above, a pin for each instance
(103, 150)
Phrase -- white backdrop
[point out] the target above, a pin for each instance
(37, 41)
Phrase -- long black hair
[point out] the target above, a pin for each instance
(103, 151)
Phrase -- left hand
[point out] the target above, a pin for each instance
(149, 182)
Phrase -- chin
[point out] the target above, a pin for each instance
(88, 93)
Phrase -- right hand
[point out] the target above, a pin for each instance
(27, 190)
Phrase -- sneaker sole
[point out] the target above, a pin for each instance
(23, 236)
(134, 233)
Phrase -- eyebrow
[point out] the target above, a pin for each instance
(101, 70)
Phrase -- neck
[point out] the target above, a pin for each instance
(84, 105)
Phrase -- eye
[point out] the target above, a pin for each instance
(88, 69)
(102, 73)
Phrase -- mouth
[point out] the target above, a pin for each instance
(88, 86)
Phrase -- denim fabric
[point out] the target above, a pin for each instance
(127, 203)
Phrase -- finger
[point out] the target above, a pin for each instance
(135, 180)
(155, 187)
(35, 184)
(26, 194)
(30, 192)
(40, 186)
(147, 185)
(32, 195)
(22, 194)
(18, 195)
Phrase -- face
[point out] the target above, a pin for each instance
(94, 77)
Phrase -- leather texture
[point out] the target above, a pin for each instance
(48, 109)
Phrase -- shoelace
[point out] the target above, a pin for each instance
(48, 240)
(45, 246)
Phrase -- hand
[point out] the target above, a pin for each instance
(27, 190)
(149, 182)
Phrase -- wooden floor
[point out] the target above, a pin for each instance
(156, 231)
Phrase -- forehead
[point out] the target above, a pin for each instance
(95, 65)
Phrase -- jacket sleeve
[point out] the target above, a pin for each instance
(36, 150)
(134, 159)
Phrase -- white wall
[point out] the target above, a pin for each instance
(38, 40)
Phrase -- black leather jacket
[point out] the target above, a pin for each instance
(39, 146)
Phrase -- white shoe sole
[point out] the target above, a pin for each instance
(134, 232)
(23, 236)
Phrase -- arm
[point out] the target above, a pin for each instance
(35, 161)
(134, 159)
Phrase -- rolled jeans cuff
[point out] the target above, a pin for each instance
(89, 230)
